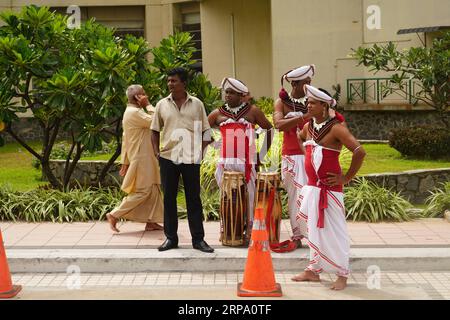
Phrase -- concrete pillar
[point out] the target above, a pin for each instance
(158, 22)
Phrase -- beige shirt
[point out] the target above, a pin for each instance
(137, 150)
(182, 129)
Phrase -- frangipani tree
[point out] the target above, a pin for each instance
(430, 66)
(69, 79)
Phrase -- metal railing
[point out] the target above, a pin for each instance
(381, 91)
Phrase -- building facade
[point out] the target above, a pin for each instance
(259, 40)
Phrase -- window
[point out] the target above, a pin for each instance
(191, 24)
(124, 19)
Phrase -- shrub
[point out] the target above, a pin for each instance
(211, 203)
(266, 106)
(438, 201)
(210, 193)
(284, 204)
(421, 141)
(209, 165)
(56, 206)
(369, 202)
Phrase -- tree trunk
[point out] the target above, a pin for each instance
(445, 116)
(71, 166)
(111, 161)
(56, 184)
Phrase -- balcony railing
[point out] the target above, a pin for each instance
(381, 91)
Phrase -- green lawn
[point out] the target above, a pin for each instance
(16, 169)
(99, 157)
(382, 158)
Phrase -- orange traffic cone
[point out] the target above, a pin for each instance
(7, 289)
(259, 278)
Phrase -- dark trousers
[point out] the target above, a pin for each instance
(170, 176)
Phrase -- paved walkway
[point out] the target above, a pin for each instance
(419, 233)
(222, 285)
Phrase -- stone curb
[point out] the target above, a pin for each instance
(228, 259)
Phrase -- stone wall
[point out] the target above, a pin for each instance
(413, 185)
(29, 130)
(376, 125)
(366, 125)
(87, 172)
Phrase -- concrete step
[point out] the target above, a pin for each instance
(223, 259)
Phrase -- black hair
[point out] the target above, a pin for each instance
(180, 72)
(325, 91)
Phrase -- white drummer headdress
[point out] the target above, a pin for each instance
(298, 74)
(234, 84)
(312, 92)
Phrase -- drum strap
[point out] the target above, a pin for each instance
(269, 218)
(285, 246)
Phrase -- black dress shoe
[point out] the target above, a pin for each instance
(167, 245)
(203, 246)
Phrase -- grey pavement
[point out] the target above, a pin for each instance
(223, 286)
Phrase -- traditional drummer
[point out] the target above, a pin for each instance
(322, 198)
(236, 120)
(290, 115)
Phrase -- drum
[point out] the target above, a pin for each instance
(233, 209)
(267, 196)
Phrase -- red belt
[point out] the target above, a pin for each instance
(323, 204)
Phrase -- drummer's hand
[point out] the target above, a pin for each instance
(335, 179)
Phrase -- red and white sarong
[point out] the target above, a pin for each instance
(293, 176)
(323, 210)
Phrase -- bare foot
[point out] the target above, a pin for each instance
(306, 275)
(339, 284)
(112, 222)
(150, 226)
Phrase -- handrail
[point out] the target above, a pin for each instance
(378, 90)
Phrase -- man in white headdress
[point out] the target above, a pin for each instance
(322, 200)
(140, 167)
(236, 120)
(290, 114)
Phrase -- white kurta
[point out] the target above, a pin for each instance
(142, 181)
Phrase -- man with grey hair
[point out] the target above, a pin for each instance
(140, 167)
